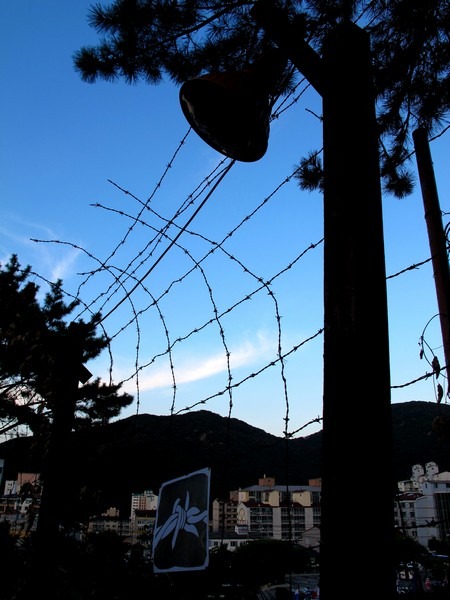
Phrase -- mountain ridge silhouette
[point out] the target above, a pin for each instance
(141, 452)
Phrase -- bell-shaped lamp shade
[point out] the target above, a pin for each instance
(231, 111)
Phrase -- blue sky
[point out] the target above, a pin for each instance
(79, 162)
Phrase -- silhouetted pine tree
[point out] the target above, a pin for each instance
(42, 356)
(147, 39)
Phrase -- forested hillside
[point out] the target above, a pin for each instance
(141, 452)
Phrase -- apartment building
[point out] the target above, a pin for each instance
(19, 503)
(224, 516)
(145, 500)
(138, 527)
(142, 526)
(25, 482)
(267, 510)
(110, 521)
(422, 509)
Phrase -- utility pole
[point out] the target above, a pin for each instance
(357, 418)
(436, 237)
(357, 530)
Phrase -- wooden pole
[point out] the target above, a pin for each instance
(436, 237)
(358, 490)
(357, 529)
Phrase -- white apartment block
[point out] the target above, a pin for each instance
(433, 511)
(422, 508)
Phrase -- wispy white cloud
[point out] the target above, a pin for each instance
(65, 265)
(52, 261)
(203, 367)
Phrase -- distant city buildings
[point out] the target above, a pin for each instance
(265, 510)
(268, 510)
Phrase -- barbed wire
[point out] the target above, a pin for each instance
(170, 232)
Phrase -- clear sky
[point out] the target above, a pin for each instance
(96, 171)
